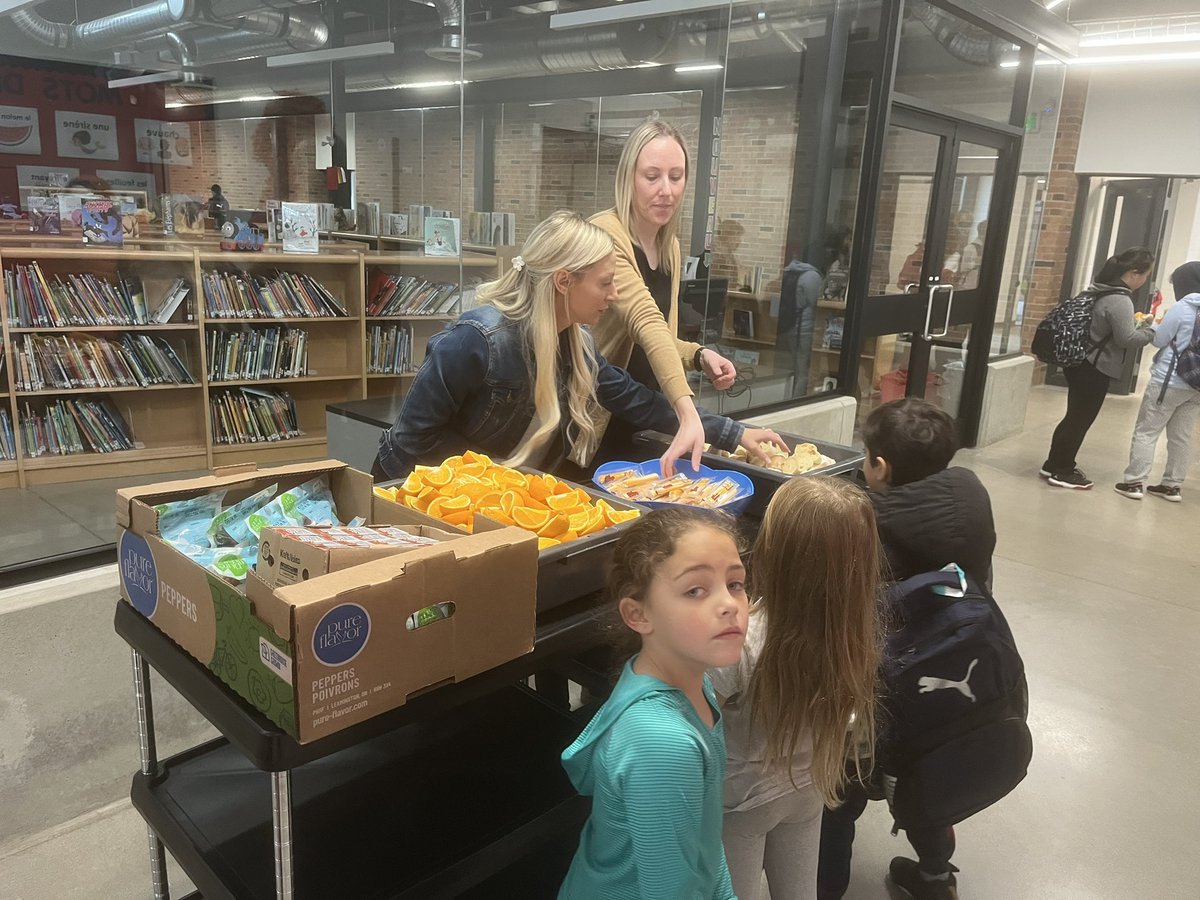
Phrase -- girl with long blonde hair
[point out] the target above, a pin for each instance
(518, 376)
(806, 686)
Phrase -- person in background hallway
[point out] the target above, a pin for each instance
(804, 284)
(640, 332)
(1114, 330)
(1169, 403)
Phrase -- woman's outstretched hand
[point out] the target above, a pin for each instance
(720, 371)
(753, 437)
(689, 439)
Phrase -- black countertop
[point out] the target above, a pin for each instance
(380, 411)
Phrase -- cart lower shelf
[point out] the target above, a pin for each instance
(431, 810)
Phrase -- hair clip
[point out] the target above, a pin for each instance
(518, 263)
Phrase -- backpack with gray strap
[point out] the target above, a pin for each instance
(954, 738)
(1185, 361)
(1063, 337)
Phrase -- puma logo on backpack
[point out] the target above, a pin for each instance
(953, 746)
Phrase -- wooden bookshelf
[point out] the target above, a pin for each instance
(170, 424)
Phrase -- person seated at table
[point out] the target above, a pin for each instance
(518, 377)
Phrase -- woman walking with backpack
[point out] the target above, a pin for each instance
(1171, 401)
(1113, 331)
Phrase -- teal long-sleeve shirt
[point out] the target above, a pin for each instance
(655, 773)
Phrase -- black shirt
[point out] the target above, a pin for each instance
(658, 282)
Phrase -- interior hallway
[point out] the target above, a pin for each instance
(1101, 593)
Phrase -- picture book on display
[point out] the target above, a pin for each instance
(100, 219)
(44, 215)
(300, 228)
(441, 236)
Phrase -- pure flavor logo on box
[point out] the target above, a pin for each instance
(341, 634)
(139, 575)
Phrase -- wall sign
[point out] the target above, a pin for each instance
(43, 178)
(19, 130)
(136, 182)
(169, 143)
(86, 136)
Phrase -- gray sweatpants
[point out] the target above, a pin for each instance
(782, 838)
(1178, 414)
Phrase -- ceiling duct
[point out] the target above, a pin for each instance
(107, 31)
(451, 49)
(967, 43)
(262, 32)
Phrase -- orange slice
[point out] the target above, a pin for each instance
(497, 513)
(476, 470)
(623, 515)
(579, 520)
(458, 518)
(555, 527)
(547, 543)
(530, 519)
(561, 487)
(388, 493)
(491, 498)
(413, 483)
(563, 502)
(539, 489)
(440, 477)
(471, 457)
(509, 501)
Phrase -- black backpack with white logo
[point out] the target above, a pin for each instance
(954, 738)
(1063, 337)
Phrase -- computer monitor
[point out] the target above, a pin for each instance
(702, 309)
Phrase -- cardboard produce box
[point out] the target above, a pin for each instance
(289, 555)
(318, 656)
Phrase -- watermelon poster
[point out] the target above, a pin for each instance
(86, 135)
(19, 130)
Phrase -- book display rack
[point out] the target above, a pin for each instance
(166, 356)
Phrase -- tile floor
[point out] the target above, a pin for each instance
(1101, 594)
(62, 519)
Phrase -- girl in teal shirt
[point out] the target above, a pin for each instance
(653, 758)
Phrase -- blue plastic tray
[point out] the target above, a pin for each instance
(653, 466)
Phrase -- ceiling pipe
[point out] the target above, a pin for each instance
(107, 31)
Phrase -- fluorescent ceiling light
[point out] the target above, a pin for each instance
(428, 84)
(1055, 3)
(333, 54)
(1135, 40)
(700, 67)
(1123, 59)
(152, 78)
(627, 12)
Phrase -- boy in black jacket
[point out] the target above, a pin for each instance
(929, 515)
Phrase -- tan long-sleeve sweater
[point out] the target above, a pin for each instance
(636, 318)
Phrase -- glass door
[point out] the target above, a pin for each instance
(935, 265)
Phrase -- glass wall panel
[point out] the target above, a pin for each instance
(946, 60)
(1020, 269)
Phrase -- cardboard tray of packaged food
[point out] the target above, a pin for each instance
(334, 650)
(846, 460)
(565, 572)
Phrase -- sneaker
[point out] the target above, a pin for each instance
(906, 875)
(1043, 472)
(1132, 490)
(1170, 494)
(1075, 480)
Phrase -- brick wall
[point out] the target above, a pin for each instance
(754, 193)
(254, 160)
(1061, 194)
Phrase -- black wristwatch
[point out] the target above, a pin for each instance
(696, 360)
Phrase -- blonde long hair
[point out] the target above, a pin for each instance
(627, 174)
(817, 566)
(563, 241)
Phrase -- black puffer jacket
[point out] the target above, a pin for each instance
(928, 524)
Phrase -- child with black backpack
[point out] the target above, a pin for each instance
(930, 516)
(1172, 398)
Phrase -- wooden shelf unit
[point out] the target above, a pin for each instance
(170, 423)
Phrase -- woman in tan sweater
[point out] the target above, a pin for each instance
(640, 332)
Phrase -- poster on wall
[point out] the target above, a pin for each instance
(19, 130)
(168, 143)
(131, 182)
(43, 178)
(86, 136)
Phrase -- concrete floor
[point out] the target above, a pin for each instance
(1101, 594)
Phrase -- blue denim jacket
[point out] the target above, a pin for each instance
(475, 392)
